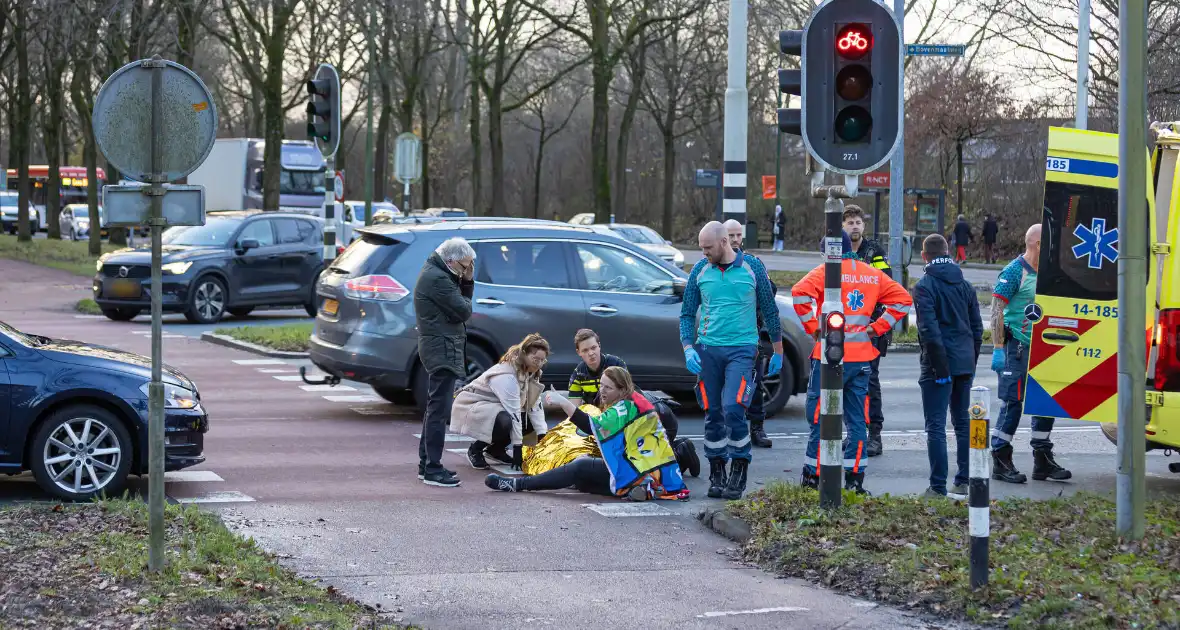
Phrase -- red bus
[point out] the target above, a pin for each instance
(73, 186)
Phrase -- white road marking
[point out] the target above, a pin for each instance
(621, 509)
(755, 611)
(218, 497)
(277, 370)
(452, 437)
(327, 388)
(353, 399)
(171, 336)
(289, 378)
(260, 362)
(369, 411)
(503, 469)
(182, 476)
(90, 317)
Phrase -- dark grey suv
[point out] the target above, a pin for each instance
(531, 276)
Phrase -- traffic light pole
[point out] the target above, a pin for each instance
(831, 380)
(330, 209)
(737, 106)
(897, 164)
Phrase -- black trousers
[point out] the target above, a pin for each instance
(440, 395)
(501, 433)
(876, 413)
(587, 474)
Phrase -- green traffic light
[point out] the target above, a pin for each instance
(853, 124)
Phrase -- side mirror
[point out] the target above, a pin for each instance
(678, 286)
(248, 244)
(668, 243)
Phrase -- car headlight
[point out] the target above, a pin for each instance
(176, 268)
(98, 265)
(175, 397)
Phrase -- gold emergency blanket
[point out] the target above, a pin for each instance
(560, 446)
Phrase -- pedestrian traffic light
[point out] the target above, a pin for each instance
(323, 109)
(834, 337)
(851, 85)
(790, 81)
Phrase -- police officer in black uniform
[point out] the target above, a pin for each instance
(756, 412)
(871, 252)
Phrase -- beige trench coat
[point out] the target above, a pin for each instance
(498, 389)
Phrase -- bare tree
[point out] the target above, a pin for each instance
(551, 113)
(23, 118)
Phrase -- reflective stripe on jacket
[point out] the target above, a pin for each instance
(862, 289)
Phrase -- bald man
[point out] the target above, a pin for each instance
(756, 412)
(1015, 289)
(719, 334)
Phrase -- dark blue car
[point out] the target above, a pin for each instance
(75, 415)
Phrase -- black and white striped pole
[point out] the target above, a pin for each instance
(831, 380)
(736, 116)
(978, 498)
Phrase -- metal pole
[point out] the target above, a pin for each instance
(897, 162)
(330, 209)
(778, 154)
(737, 106)
(406, 198)
(719, 213)
(831, 383)
(156, 388)
(369, 115)
(1081, 114)
(1130, 485)
(979, 492)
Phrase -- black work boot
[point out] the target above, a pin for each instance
(717, 478)
(758, 435)
(855, 481)
(809, 480)
(873, 448)
(686, 456)
(1002, 467)
(737, 479)
(1045, 467)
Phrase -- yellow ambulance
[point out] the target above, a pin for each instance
(1073, 357)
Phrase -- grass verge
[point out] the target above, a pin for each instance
(86, 566)
(292, 338)
(910, 335)
(87, 306)
(71, 256)
(1054, 564)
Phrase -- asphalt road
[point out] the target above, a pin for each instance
(325, 478)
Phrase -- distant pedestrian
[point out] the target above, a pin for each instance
(950, 333)
(442, 306)
(991, 229)
(756, 412)
(719, 334)
(963, 237)
(779, 227)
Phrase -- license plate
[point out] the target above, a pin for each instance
(331, 306)
(123, 288)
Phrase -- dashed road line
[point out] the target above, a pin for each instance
(260, 362)
(218, 497)
(90, 317)
(288, 378)
(354, 399)
(755, 611)
(183, 476)
(327, 388)
(277, 370)
(628, 510)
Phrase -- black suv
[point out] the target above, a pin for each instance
(531, 276)
(235, 262)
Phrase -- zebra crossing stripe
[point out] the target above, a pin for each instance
(191, 476)
(218, 497)
(353, 399)
(327, 388)
(260, 362)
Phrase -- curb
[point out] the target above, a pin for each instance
(905, 348)
(230, 342)
(721, 521)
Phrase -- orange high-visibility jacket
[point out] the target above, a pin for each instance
(862, 288)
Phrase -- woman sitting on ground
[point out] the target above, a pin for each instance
(503, 405)
(645, 463)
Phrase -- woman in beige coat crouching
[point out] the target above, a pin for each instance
(503, 405)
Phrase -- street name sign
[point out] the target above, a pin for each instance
(935, 50)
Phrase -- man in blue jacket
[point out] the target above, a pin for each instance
(950, 332)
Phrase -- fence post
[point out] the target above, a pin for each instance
(978, 499)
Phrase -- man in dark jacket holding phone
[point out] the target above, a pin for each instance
(950, 332)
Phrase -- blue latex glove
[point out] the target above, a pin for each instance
(776, 365)
(943, 381)
(692, 360)
(999, 359)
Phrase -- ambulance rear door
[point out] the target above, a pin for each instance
(1073, 357)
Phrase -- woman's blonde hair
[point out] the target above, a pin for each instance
(515, 355)
(621, 378)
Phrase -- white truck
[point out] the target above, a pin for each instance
(232, 176)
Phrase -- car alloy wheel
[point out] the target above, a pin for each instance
(207, 301)
(82, 455)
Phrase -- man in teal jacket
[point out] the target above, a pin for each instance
(719, 333)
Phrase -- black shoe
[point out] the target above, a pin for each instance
(1002, 467)
(855, 481)
(737, 479)
(1045, 467)
(442, 478)
(809, 480)
(475, 457)
(758, 435)
(717, 478)
(686, 456)
(498, 454)
(873, 448)
(422, 470)
(503, 484)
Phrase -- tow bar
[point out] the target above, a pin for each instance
(329, 379)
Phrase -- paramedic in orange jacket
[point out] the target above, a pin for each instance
(863, 287)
